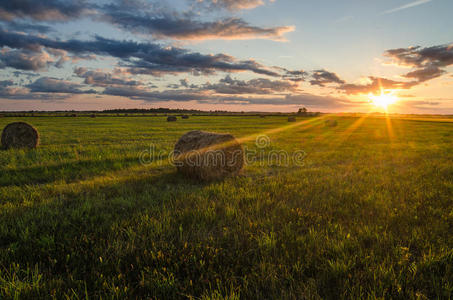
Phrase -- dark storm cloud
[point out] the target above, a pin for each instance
(47, 10)
(375, 85)
(323, 77)
(150, 56)
(54, 85)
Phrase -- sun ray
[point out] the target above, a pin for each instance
(342, 137)
(390, 132)
(308, 124)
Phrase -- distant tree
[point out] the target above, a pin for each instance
(302, 111)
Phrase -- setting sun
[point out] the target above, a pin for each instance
(383, 100)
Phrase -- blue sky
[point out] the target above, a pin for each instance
(241, 55)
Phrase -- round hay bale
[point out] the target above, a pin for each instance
(74, 115)
(93, 116)
(291, 119)
(262, 116)
(208, 156)
(331, 123)
(171, 119)
(20, 135)
(184, 117)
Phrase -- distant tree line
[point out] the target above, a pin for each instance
(151, 111)
(305, 113)
(160, 110)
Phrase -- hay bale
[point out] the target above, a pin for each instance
(331, 123)
(93, 116)
(73, 115)
(208, 156)
(171, 119)
(19, 135)
(262, 116)
(184, 117)
(291, 119)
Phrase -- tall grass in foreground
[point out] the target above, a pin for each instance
(369, 215)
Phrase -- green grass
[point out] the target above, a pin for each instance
(368, 215)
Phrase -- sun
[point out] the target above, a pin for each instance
(383, 100)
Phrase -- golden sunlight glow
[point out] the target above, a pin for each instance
(383, 100)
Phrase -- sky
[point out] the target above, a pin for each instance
(236, 55)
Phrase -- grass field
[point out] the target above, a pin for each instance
(368, 215)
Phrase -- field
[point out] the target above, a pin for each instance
(99, 211)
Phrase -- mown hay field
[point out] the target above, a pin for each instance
(90, 213)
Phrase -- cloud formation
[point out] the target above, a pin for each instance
(54, 85)
(441, 56)
(48, 10)
(259, 91)
(103, 79)
(141, 17)
(186, 27)
(26, 50)
(203, 96)
(8, 90)
(27, 27)
(375, 85)
(160, 23)
(232, 5)
(150, 57)
(426, 73)
(294, 75)
(24, 59)
(259, 86)
(323, 77)
(430, 62)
